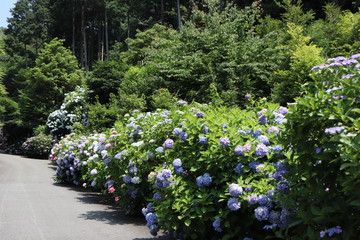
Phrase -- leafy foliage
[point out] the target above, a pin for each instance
(323, 133)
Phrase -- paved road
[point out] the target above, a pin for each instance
(33, 207)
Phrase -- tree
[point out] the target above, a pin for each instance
(56, 72)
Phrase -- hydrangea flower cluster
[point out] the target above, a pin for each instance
(330, 232)
(224, 141)
(217, 225)
(177, 164)
(204, 180)
(162, 179)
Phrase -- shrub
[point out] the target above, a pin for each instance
(323, 134)
(200, 163)
(38, 146)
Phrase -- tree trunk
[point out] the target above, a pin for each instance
(84, 48)
(73, 28)
(106, 35)
(178, 14)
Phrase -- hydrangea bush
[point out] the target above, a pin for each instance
(197, 171)
(323, 133)
(38, 146)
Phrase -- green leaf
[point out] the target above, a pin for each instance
(187, 222)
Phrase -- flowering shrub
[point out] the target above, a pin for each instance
(38, 146)
(61, 121)
(323, 133)
(203, 174)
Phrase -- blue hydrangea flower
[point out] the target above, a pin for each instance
(177, 131)
(205, 129)
(154, 229)
(277, 148)
(216, 224)
(233, 204)
(273, 129)
(331, 231)
(182, 102)
(252, 199)
(157, 196)
(135, 180)
(261, 213)
(224, 141)
(334, 130)
(263, 200)
(264, 139)
(159, 150)
(261, 150)
(200, 114)
(199, 181)
(277, 176)
(235, 190)
(263, 120)
(203, 140)
(204, 180)
(279, 118)
(168, 144)
(239, 150)
(183, 136)
(283, 110)
(260, 168)
(257, 133)
(207, 179)
(274, 217)
(318, 150)
(253, 164)
(283, 187)
(179, 171)
(133, 170)
(177, 163)
(166, 173)
(271, 194)
(239, 168)
(282, 167)
(151, 218)
(127, 179)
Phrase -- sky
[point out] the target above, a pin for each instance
(5, 6)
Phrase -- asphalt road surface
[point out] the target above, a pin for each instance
(33, 207)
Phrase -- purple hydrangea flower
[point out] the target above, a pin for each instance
(247, 96)
(157, 196)
(334, 130)
(204, 180)
(205, 129)
(135, 180)
(154, 229)
(177, 163)
(274, 217)
(233, 204)
(216, 224)
(277, 148)
(279, 118)
(252, 199)
(263, 120)
(200, 114)
(127, 179)
(151, 218)
(166, 173)
(283, 187)
(224, 141)
(253, 164)
(177, 131)
(182, 102)
(263, 200)
(133, 170)
(319, 67)
(271, 194)
(261, 150)
(264, 139)
(235, 190)
(355, 56)
(239, 168)
(239, 150)
(318, 150)
(277, 176)
(159, 150)
(183, 136)
(331, 231)
(203, 140)
(283, 110)
(260, 168)
(168, 144)
(273, 129)
(261, 213)
(179, 171)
